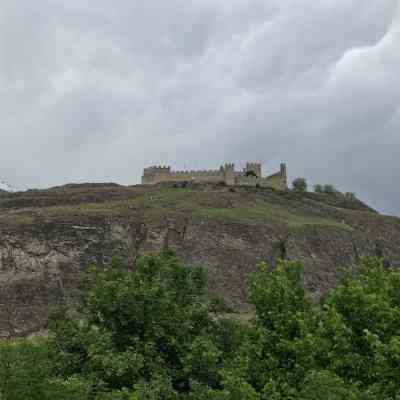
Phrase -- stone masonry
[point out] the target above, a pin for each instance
(251, 175)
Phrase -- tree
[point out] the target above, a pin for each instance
(345, 347)
(300, 185)
(149, 333)
(318, 188)
(143, 330)
(367, 301)
(329, 189)
(251, 173)
(26, 373)
(328, 386)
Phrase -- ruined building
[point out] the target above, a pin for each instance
(249, 176)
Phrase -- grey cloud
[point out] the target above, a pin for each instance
(95, 92)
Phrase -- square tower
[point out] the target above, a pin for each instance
(253, 169)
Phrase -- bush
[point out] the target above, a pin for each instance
(346, 347)
(327, 189)
(330, 189)
(147, 329)
(299, 185)
(151, 334)
(318, 188)
(251, 174)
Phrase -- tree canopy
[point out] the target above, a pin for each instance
(151, 332)
(300, 185)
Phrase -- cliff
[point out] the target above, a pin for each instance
(49, 237)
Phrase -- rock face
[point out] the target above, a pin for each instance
(49, 238)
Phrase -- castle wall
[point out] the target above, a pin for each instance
(157, 176)
(213, 176)
(276, 181)
(226, 174)
(244, 180)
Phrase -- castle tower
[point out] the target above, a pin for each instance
(229, 174)
(155, 174)
(254, 168)
(284, 174)
(283, 170)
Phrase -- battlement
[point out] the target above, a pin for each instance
(157, 169)
(196, 172)
(250, 176)
(253, 168)
(252, 165)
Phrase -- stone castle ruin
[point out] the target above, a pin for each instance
(251, 175)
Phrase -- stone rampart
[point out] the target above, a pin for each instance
(226, 174)
(244, 180)
(275, 181)
(197, 176)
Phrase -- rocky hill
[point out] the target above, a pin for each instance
(49, 237)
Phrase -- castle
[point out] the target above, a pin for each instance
(250, 176)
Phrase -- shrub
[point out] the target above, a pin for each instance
(148, 329)
(300, 185)
(251, 174)
(330, 189)
(149, 333)
(318, 188)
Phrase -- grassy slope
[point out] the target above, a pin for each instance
(238, 205)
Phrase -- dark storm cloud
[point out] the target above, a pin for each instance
(95, 91)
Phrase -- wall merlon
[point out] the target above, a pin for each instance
(251, 165)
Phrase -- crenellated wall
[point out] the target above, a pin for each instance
(155, 175)
(226, 174)
(274, 181)
(198, 176)
(254, 168)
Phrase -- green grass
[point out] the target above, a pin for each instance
(155, 205)
(268, 213)
(17, 219)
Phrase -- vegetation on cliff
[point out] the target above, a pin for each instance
(152, 333)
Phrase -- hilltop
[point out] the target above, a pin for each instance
(49, 237)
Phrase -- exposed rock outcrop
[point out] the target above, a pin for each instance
(48, 238)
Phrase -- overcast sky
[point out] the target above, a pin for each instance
(95, 90)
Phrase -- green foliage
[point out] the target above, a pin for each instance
(18, 375)
(330, 189)
(151, 334)
(328, 386)
(318, 188)
(345, 347)
(251, 174)
(279, 297)
(300, 185)
(26, 373)
(147, 330)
